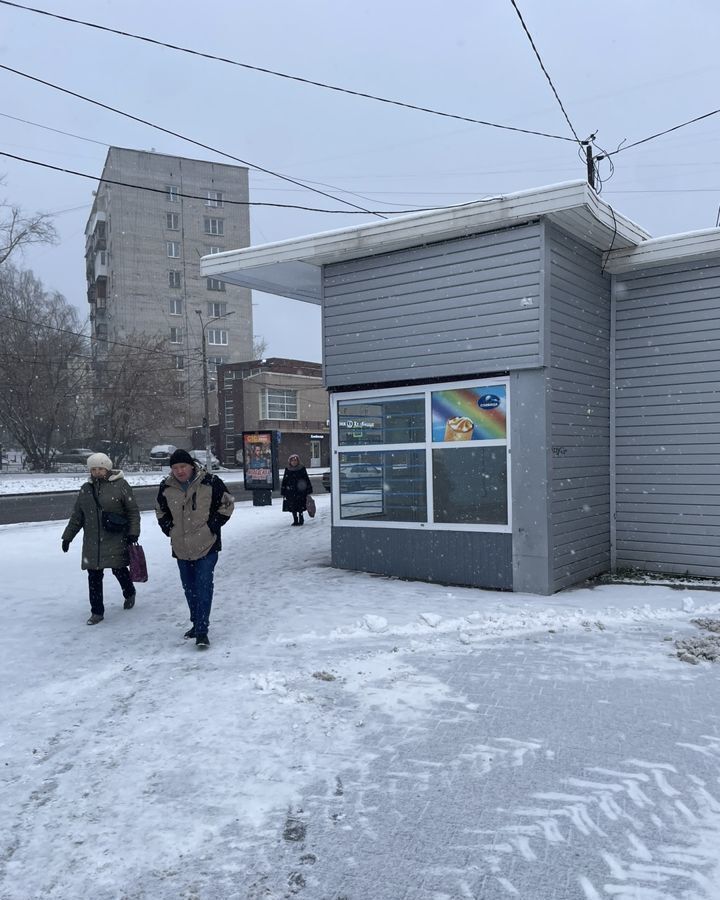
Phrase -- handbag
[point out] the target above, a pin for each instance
(138, 566)
(110, 521)
(114, 522)
(310, 506)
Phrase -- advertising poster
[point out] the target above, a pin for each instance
(470, 414)
(258, 460)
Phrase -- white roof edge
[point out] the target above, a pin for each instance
(426, 227)
(683, 247)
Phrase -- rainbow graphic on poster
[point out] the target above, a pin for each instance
(470, 414)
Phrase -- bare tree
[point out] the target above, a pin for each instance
(135, 392)
(260, 346)
(43, 364)
(18, 230)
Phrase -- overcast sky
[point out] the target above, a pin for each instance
(623, 69)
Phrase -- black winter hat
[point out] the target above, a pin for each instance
(181, 456)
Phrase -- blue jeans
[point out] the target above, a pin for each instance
(196, 576)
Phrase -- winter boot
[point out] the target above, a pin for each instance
(202, 641)
(190, 633)
(94, 619)
(129, 600)
(301, 520)
(295, 519)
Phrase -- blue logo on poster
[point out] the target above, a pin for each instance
(488, 401)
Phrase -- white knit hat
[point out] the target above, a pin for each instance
(99, 461)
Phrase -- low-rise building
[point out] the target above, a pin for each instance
(285, 396)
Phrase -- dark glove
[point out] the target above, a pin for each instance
(132, 538)
(65, 546)
(166, 524)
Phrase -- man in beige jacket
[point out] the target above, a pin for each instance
(192, 506)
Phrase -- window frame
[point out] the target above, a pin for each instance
(175, 245)
(172, 221)
(340, 398)
(176, 302)
(216, 202)
(265, 405)
(214, 226)
(212, 333)
(175, 275)
(179, 336)
(214, 284)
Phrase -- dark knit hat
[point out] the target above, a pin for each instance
(181, 456)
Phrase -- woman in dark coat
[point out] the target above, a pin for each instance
(295, 487)
(106, 491)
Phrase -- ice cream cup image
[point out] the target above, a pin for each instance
(459, 428)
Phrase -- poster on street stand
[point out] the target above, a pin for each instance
(259, 465)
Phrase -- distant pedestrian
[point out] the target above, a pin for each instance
(295, 488)
(192, 506)
(106, 512)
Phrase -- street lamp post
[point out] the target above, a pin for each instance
(206, 397)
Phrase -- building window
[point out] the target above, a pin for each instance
(176, 336)
(217, 337)
(215, 310)
(213, 250)
(214, 198)
(173, 192)
(173, 249)
(436, 457)
(276, 403)
(214, 226)
(175, 278)
(214, 285)
(179, 362)
(176, 306)
(179, 388)
(214, 362)
(173, 221)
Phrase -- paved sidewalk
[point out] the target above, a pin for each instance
(552, 767)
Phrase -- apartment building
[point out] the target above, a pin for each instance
(153, 217)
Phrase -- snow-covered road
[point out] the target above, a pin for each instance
(349, 736)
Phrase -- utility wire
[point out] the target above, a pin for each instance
(182, 137)
(266, 71)
(87, 337)
(153, 190)
(542, 66)
(105, 144)
(660, 133)
(55, 130)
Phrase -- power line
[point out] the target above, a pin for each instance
(542, 66)
(120, 112)
(80, 334)
(55, 130)
(660, 133)
(266, 71)
(153, 190)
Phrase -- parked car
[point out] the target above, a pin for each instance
(73, 455)
(360, 477)
(160, 454)
(200, 456)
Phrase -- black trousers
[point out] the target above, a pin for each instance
(95, 586)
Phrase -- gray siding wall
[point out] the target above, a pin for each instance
(668, 419)
(449, 309)
(470, 558)
(579, 384)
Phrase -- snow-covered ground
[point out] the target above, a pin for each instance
(348, 736)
